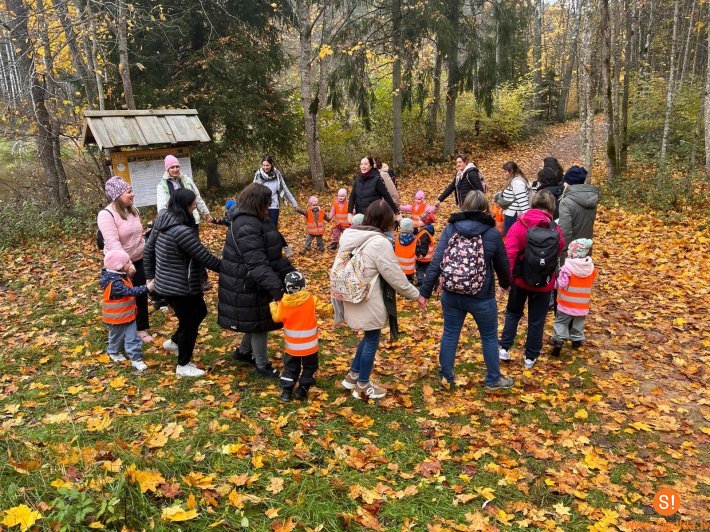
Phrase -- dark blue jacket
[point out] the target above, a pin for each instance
(119, 288)
(470, 224)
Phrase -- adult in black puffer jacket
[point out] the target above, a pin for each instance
(174, 257)
(252, 276)
(548, 180)
(368, 187)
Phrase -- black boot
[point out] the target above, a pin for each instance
(301, 393)
(286, 395)
(245, 358)
(576, 344)
(556, 350)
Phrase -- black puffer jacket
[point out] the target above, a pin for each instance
(174, 257)
(556, 189)
(470, 180)
(367, 189)
(252, 275)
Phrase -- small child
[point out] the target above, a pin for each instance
(425, 246)
(118, 308)
(418, 208)
(405, 247)
(339, 214)
(315, 223)
(297, 312)
(357, 220)
(574, 292)
(228, 206)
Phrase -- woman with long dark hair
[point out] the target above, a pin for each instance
(368, 187)
(174, 257)
(270, 176)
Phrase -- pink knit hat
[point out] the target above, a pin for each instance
(419, 195)
(115, 187)
(171, 160)
(115, 259)
(342, 191)
(312, 200)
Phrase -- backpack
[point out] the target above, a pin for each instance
(463, 267)
(347, 277)
(99, 236)
(540, 257)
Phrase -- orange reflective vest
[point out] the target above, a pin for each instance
(405, 255)
(497, 213)
(341, 214)
(315, 227)
(118, 311)
(417, 213)
(430, 251)
(578, 293)
(300, 328)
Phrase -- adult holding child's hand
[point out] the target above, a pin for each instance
(122, 230)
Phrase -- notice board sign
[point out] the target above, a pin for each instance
(143, 169)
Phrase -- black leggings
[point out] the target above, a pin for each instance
(190, 311)
(142, 323)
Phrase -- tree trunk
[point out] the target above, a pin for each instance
(91, 49)
(585, 89)
(670, 92)
(569, 67)
(687, 44)
(605, 31)
(452, 83)
(645, 59)
(628, 68)
(309, 102)
(537, 53)
(123, 67)
(397, 51)
(436, 95)
(707, 110)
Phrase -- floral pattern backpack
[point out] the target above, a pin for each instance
(463, 267)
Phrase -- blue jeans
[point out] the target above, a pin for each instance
(274, 217)
(125, 336)
(538, 304)
(422, 267)
(365, 356)
(508, 222)
(485, 314)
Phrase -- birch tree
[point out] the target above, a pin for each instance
(670, 90)
(605, 31)
(584, 84)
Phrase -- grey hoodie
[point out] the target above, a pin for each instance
(578, 210)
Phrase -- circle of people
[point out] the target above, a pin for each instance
(534, 238)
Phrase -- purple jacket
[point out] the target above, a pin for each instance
(516, 239)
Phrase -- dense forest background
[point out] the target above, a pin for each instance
(318, 83)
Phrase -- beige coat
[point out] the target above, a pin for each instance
(387, 178)
(379, 259)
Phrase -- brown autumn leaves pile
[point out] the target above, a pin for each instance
(623, 417)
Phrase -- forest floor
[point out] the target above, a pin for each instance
(583, 442)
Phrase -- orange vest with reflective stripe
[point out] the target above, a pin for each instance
(118, 311)
(341, 214)
(578, 293)
(315, 227)
(430, 251)
(300, 328)
(497, 213)
(405, 255)
(417, 213)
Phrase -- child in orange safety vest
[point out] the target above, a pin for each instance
(574, 292)
(339, 215)
(118, 308)
(405, 244)
(418, 209)
(315, 223)
(297, 312)
(425, 246)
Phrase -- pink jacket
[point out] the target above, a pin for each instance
(121, 234)
(516, 239)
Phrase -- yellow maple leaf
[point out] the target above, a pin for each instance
(561, 509)
(236, 499)
(21, 515)
(581, 414)
(199, 480)
(594, 461)
(257, 461)
(61, 483)
(271, 513)
(191, 502)
(234, 448)
(177, 513)
(147, 480)
(98, 423)
(55, 419)
(117, 383)
(486, 493)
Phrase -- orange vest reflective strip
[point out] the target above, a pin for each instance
(417, 213)
(341, 214)
(405, 255)
(300, 328)
(430, 251)
(118, 311)
(578, 293)
(315, 227)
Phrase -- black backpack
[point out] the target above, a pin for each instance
(541, 255)
(99, 235)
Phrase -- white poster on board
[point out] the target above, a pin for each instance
(146, 171)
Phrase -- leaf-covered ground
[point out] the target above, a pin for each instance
(583, 442)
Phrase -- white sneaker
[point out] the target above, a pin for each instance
(529, 363)
(188, 370)
(169, 345)
(139, 365)
(117, 357)
(370, 391)
(503, 354)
